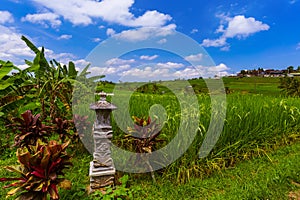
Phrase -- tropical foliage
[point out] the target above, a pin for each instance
(45, 88)
(144, 134)
(291, 86)
(36, 105)
(29, 129)
(40, 169)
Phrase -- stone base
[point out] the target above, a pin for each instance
(101, 177)
(101, 171)
(98, 182)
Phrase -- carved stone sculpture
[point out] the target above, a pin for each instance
(102, 168)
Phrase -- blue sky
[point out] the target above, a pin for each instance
(236, 34)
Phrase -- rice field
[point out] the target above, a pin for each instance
(254, 125)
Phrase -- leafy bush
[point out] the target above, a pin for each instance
(291, 86)
(143, 137)
(40, 169)
(29, 129)
(82, 124)
(63, 129)
(14, 83)
(144, 134)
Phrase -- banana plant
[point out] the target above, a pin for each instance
(55, 83)
(44, 87)
(14, 85)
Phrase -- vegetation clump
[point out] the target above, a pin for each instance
(36, 106)
(40, 169)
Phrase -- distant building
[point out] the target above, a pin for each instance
(273, 73)
(294, 74)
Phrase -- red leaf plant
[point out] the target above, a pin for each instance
(63, 129)
(29, 129)
(144, 138)
(41, 171)
(144, 134)
(82, 124)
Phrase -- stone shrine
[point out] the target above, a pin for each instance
(102, 168)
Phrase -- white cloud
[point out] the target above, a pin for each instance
(170, 65)
(237, 27)
(217, 69)
(112, 67)
(196, 57)
(23, 66)
(214, 43)
(44, 19)
(109, 70)
(97, 39)
(15, 50)
(64, 37)
(211, 71)
(293, 1)
(6, 17)
(203, 71)
(150, 19)
(187, 73)
(119, 61)
(80, 64)
(220, 29)
(147, 73)
(110, 32)
(225, 48)
(101, 27)
(146, 57)
(81, 12)
(162, 41)
(157, 73)
(194, 31)
(12, 47)
(65, 58)
(298, 46)
(145, 33)
(125, 69)
(60, 57)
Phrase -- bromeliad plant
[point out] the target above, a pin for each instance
(41, 171)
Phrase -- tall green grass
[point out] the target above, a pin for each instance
(254, 124)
